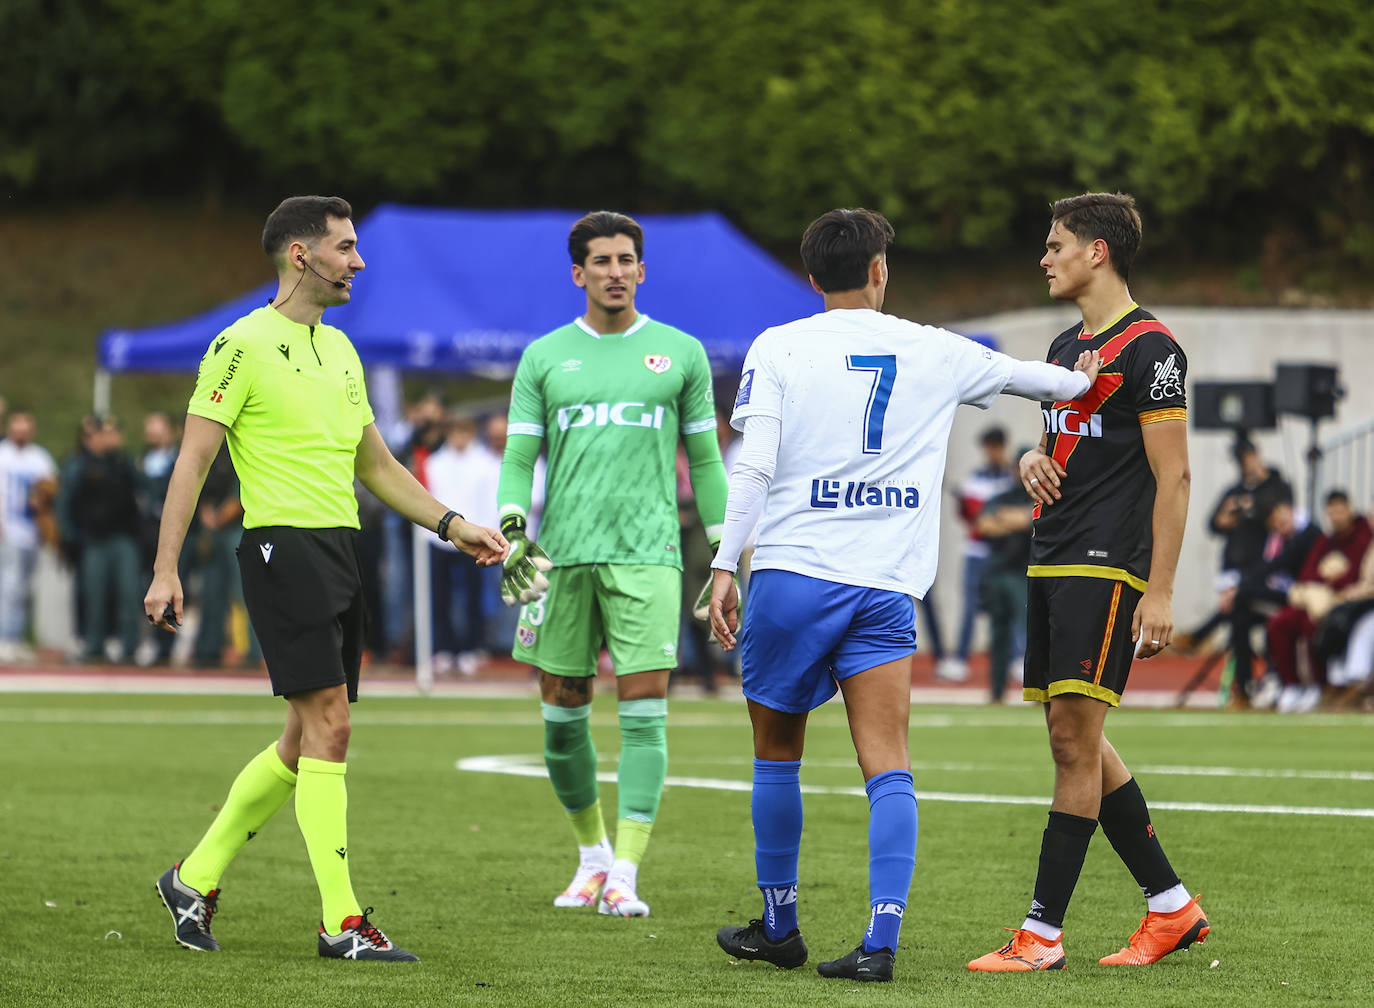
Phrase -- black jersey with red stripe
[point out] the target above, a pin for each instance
(1102, 524)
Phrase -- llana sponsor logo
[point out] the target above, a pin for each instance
(833, 493)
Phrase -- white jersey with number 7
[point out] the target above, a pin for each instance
(865, 402)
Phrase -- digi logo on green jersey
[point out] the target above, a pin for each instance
(621, 414)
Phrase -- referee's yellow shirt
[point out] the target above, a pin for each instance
(295, 402)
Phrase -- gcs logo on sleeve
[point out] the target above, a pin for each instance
(1168, 381)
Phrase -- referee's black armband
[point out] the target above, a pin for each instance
(512, 523)
(442, 530)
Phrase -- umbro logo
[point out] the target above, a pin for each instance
(219, 343)
(285, 350)
(266, 552)
(571, 364)
(343, 853)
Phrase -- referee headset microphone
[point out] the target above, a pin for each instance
(333, 283)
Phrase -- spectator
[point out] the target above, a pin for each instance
(27, 479)
(987, 481)
(372, 563)
(1263, 590)
(1346, 637)
(103, 518)
(219, 518)
(463, 472)
(1239, 519)
(1332, 565)
(1004, 524)
(414, 441)
(159, 455)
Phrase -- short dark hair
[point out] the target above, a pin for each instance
(1109, 216)
(1337, 495)
(603, 224)
(301, 217)
(993, 436)
(1242, 448)
(838, 246)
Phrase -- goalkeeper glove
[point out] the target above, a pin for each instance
(522, 576)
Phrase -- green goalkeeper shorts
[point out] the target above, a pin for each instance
(633, 609)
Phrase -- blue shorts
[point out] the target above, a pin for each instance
(802, 635)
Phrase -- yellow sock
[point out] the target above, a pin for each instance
(322, 813)
(256, 795)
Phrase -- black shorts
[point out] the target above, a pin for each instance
(1078, 637)
(303, 590)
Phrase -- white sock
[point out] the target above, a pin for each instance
(599, 854)
(1047, 931)
(1170, 900)
(623, 875)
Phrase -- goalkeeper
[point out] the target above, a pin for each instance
(608, 396)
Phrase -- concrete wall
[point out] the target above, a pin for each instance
(1222, 345)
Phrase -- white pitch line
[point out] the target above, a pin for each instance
(1160, 771)
(532, 766)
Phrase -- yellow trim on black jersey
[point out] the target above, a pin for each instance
(1061, 686)
(1087, 570)
(1108, 327)
(1169, 413)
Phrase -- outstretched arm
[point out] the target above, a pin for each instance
(399, 490)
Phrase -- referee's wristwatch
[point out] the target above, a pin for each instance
(442, 529)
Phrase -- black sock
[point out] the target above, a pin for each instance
(1062, 850)
(1126, 822)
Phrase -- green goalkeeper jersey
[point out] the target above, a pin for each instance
(610, 409)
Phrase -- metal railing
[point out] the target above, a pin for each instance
(1347, 463)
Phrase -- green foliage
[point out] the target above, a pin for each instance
(960, 119)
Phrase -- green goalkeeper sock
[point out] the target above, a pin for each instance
(256, 795)
(322, 813)
(570, 758)
(643, 767)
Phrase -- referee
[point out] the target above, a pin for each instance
(289, 393)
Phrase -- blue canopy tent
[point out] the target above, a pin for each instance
(463, 292)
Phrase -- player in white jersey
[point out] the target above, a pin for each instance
(846, 418)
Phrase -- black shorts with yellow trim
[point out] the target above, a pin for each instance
(303, 591)
(1078, 631)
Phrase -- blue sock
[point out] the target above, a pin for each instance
(777, 812)
(891, 855)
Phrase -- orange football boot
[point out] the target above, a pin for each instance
(1026, 951)
(1162, 933)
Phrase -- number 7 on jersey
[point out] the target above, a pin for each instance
(884, 368)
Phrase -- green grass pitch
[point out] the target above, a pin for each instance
(1270, 819)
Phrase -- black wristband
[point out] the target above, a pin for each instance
(512, 523)
(442, 530)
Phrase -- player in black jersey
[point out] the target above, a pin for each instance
(1110, 484)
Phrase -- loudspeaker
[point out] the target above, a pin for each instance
(1308, 390)
(1233, 406)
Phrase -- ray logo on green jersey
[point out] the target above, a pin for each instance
(622, 414)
